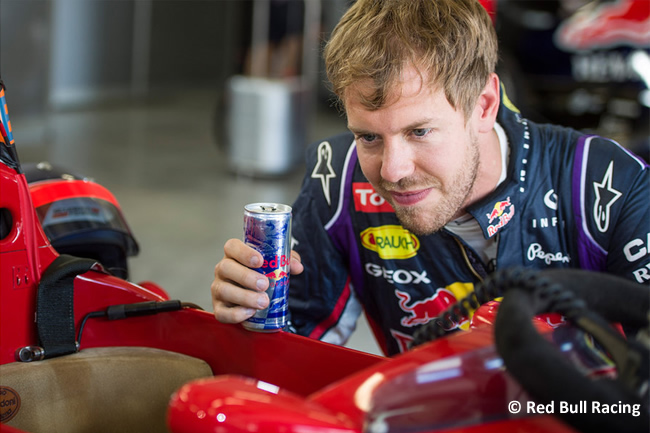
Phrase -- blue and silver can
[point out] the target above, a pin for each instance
(267, 228)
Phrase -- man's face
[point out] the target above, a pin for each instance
(417, 151)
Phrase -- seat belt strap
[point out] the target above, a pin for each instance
(55, 305)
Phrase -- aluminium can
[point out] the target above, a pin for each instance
(267, 228)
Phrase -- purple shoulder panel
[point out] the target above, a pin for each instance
(341, 227)
(590, 255)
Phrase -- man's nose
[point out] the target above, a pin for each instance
(397, 160)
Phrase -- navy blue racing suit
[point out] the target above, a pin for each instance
(569, 200)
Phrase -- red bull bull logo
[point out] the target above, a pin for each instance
(609, 24)
(499, 207)
(503, 211)
(277, 291)
(276, 275)
(421, 312)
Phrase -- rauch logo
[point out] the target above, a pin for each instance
(390, 242)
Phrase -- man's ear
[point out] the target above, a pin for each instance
(487, 105)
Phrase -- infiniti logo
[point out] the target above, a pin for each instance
(550, 199)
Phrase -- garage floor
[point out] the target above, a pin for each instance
(163, 161)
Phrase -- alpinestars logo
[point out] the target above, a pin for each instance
(606, 196)
(323, 169)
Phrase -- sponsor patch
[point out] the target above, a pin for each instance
(501, 215)
(535, 251)
(390, 242)
(367, 200)
(606, 196)
(423, 311)
(398, 276)
(323, 169)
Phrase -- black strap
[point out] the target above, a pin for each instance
(55, 305)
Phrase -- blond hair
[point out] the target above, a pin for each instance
(452, 42)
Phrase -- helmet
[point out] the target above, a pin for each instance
(81, 217)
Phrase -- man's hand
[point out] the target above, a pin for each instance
(238, 289)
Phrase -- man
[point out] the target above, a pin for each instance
(441, 181)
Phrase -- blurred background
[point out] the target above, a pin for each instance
(186, 110)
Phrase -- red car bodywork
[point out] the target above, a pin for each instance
(262, 381)
(326, 387)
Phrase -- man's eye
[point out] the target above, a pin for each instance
(421, 132)
(368, 138)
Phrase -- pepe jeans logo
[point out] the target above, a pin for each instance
(9, 403)
(390, 242)
(535, 251)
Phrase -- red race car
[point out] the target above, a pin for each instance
(84, 350)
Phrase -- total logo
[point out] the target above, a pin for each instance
(503, 211)
(399, 276)
(367, 200)
(390, 242)
(423, 311)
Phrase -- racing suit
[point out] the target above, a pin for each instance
(569, 200)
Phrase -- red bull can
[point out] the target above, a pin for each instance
(267, 228)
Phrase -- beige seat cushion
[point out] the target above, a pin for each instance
(116, 389)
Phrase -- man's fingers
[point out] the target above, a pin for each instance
(237, 250)
(229, 270)
(296, 265)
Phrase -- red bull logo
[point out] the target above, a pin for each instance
(277, 275)
(499, 207)
(626, 22)
(276, 269)
(423, 311)
(276, 262)
(277, 291)
(501, 212)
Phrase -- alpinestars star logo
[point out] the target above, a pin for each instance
(606, 196)
(323, 168)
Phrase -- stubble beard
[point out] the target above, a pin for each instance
(427, 219)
